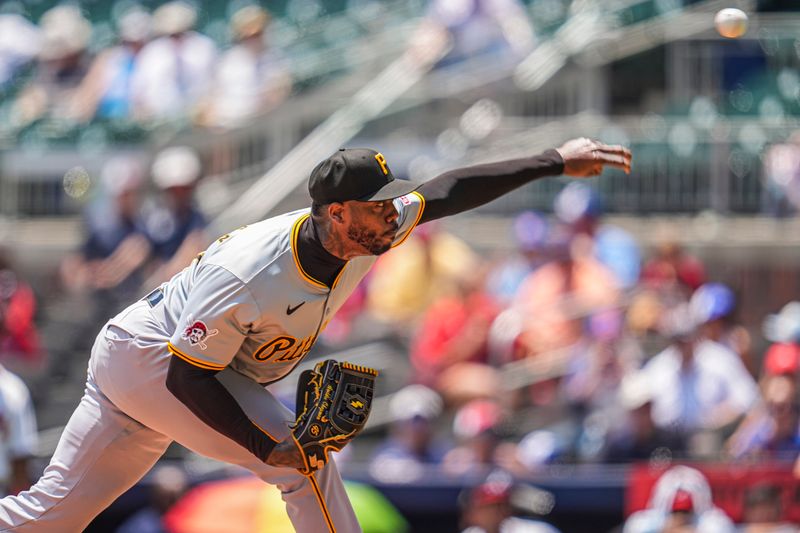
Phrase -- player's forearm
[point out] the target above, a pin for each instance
(466, 188)
(200, 391)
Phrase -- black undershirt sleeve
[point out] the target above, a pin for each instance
(199, 390)
(465, 188)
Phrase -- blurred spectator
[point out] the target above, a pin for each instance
(672, 270)
(175, 70)
(555, 298)
(530, 234)
(782, 359)
(680, 503)
(169, 483)
(175, 226)
(488, 508)
(477, 427)
(698, 384)
(19, 44)
(61, 66)
(713, 305)
(411, 448)
(402, 284)
(763, 512)
(106, 91)
(644, 313)
(465, 382)
(600, 361)
(780, 369)
(580, 207)
(453, 330)
(541, 447)
(18, 438)
(783, 327)
(498, 29)
(251, 77)
(782, 177)
(110, 261)
(774, 430)
(19, 338)
(637, 438)
(597, 365)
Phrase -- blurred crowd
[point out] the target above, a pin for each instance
(577, 346)
(157, 68)
(581, 347)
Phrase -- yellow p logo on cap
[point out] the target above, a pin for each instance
(382, 162)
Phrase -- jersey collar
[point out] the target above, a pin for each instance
(296, 257)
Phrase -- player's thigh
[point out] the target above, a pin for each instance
(101, 453)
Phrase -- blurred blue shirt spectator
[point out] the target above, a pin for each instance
(175, 226)
(531, 231)
(116, 247)
(411, 447)
(106, 91)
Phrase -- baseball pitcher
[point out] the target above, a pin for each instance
(193, 360)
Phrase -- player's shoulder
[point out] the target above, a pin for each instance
(248, 251)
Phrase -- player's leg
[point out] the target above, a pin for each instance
(315, 504)
(102, 453)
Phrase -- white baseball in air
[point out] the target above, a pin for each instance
(731, 22)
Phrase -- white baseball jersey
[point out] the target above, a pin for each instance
(247, 303)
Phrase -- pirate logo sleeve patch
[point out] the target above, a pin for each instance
(196, 332)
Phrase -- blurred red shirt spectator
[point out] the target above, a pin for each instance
(18, 335)
(673, 266)
(455, 329)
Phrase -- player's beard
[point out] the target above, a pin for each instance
(368, 240)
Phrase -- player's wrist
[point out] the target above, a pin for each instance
(556, 160)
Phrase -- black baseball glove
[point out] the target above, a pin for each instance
(333, 403)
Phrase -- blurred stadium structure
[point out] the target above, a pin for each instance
(714, 126)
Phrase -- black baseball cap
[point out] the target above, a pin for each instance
(356, 174)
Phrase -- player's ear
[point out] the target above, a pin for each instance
(336, 212)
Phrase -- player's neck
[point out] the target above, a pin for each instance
(314, 256)
(334, 244)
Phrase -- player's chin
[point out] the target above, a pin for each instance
(379, 247)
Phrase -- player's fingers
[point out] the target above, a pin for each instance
(615, 149)
(618, 161)
(612, 148)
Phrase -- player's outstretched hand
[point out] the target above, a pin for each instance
(584, 157)
(286, 454)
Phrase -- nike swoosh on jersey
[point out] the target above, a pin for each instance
(290, 309)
